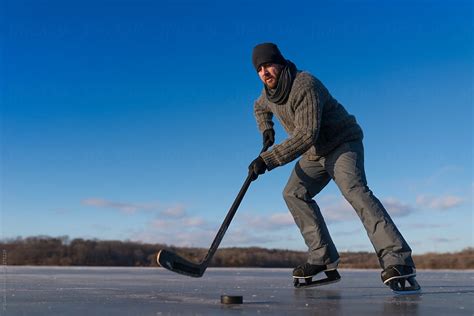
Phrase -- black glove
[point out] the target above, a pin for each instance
(268, 138)
(257, 167)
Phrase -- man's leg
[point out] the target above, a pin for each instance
(308, 179)
(346, 167)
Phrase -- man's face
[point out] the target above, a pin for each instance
(269, 74)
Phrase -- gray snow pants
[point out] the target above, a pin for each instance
(345, 165)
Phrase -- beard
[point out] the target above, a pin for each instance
(271, 82)
(278, 89)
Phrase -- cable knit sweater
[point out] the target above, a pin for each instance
(315, 122)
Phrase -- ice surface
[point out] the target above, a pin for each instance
(155, 291)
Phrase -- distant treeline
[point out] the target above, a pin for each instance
(61, 251)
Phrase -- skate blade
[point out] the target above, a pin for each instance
(315, 283)
(406, 292)
(332, 277)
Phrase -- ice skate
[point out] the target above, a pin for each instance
(396, 278)
(303, 275)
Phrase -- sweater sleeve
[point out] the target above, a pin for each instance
(307, 125)
(263, 114)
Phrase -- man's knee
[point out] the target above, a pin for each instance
(354, 191)
(351, 182)
(292, 192)
(287, 193)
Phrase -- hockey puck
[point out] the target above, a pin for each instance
(231, 299)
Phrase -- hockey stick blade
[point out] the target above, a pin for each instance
(175, 263)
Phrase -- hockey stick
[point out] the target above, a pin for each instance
(175, 263)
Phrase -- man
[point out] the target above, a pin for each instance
(328, 142)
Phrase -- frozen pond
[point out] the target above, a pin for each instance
(155, 291)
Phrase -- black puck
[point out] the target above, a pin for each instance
(231, 299)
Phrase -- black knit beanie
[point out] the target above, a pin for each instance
(266, 53)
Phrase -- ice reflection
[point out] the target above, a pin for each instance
(403, 305)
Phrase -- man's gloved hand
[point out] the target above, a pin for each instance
(268, 138)
(257, 167)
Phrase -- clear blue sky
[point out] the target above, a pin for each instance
(133, 120)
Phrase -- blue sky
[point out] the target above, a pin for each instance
(133, 120)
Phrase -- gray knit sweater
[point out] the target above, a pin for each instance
(315, 122)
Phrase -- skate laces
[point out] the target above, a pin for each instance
(306, 267)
